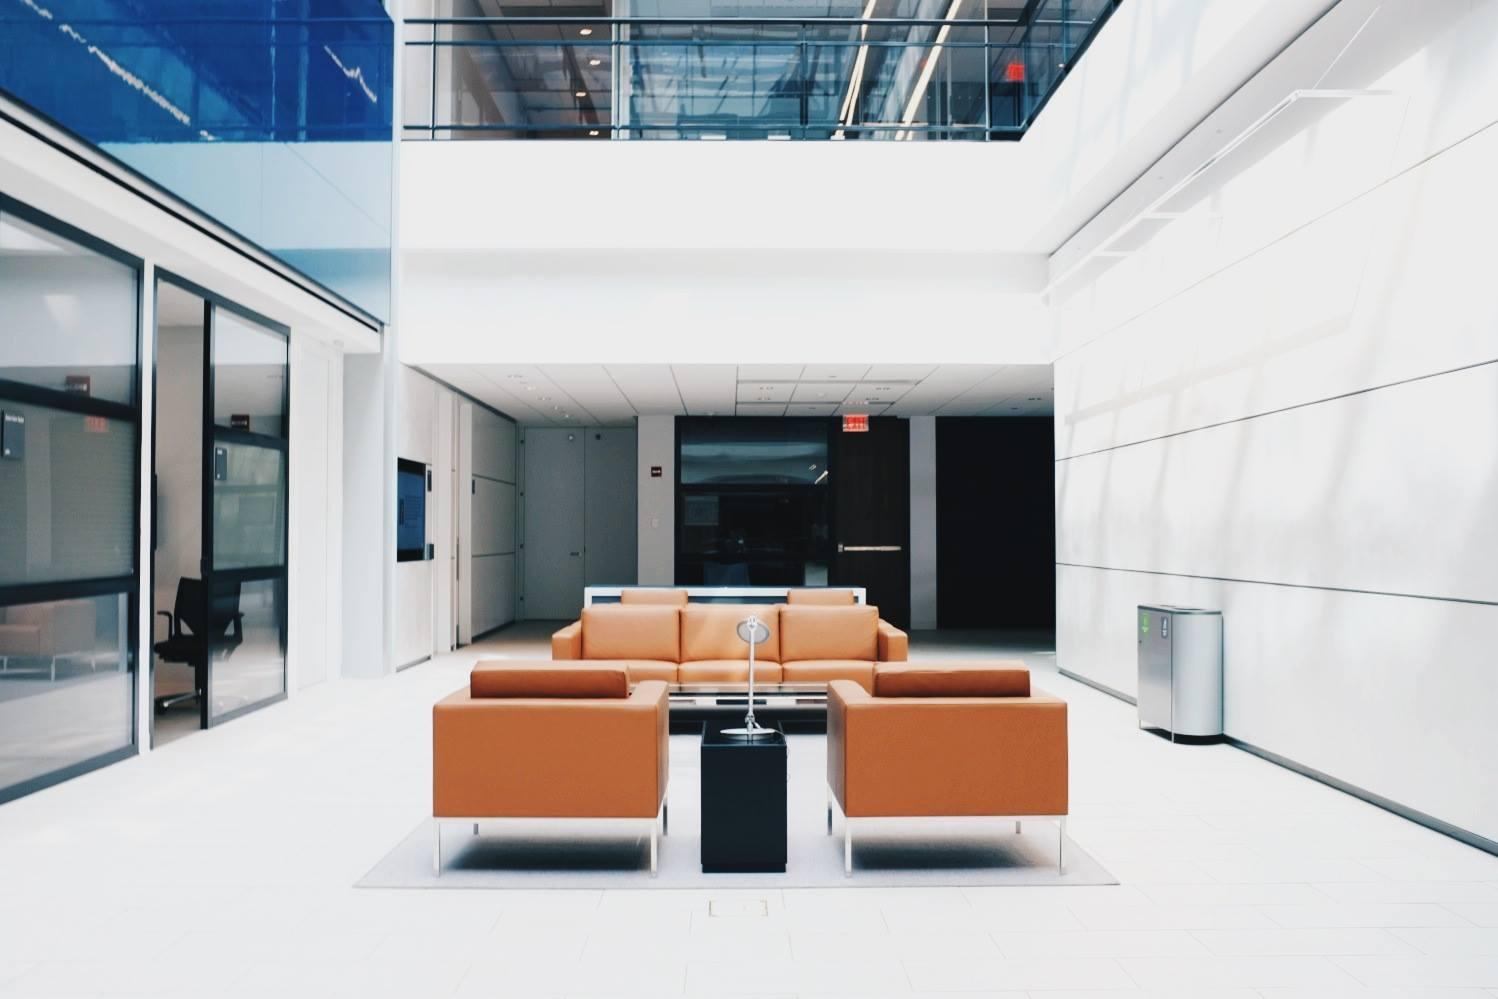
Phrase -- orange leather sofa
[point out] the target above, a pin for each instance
(697, 643)
(527, 740)
(946, 739)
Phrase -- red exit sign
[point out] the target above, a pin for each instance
(856, 423)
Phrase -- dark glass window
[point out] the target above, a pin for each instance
(411, 512)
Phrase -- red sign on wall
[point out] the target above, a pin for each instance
(856, 423)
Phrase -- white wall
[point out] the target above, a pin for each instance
(656, 513)
(315, 558)
(418, 400)
(1285, 405)
(922, 522)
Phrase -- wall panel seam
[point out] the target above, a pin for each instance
(1284, 584)
(1288, 233)
(1282, 409)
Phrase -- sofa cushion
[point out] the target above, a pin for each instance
(550, 679)
(727, 671)
(824, 670)
(708, 631)
(616, 631)
(998, 678)
(647, 669)
(829, 633)
(821, 597)
(654, 595)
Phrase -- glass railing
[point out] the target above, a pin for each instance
(839, 78)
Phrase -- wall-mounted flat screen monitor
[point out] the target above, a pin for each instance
(750, 451)
(411, 511)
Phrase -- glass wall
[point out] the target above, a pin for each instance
(907, 70)
(69, 427)
(245, 535)
(272, 116)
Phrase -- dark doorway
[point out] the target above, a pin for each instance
(871, 515)
(995, 522)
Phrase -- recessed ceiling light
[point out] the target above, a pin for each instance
(585, 32)
(546, 398)
(593, 132)
(581, 94)
(521, 377)
(530, 388)
(595, 62)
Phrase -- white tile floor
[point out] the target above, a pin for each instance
(221, 865)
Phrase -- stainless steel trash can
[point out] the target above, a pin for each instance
(1180, 671)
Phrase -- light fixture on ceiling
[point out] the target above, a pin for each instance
(580, 94)
(530, 388)
(516, 377)
(595, 62)
(593, 132)
(546, 398)
(585, 32)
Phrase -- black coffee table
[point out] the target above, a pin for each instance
(743, 800)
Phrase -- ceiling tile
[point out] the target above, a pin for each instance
(650, 388)
(821, 392)
(706, 388)
(811, 409)
(761, 409)
(898, 372)
(852, 407)
(759, 391)
(833, 372)
(769, 372)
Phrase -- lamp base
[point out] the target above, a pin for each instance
(747, 732)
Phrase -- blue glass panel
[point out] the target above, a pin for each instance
(272, 116)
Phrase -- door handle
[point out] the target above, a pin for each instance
(574, 554)
(870, 548)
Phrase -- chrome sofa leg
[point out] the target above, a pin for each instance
(437, 848)
(665, 819)
(653, 848)
(847, 847)
(1016, 827)
(475, 828)
(1061, 847)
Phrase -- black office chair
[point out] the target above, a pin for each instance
(188, 639)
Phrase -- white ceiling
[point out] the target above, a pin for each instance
(557, 395)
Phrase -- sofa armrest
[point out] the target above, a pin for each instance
(894, 644)
(541, 758)
(568, 643)
(947, 755)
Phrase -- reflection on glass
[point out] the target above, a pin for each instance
(67, 503)
(66, 685)
(754, 503)
(247, 650)
(249, 375)
(905, 70)
(67, 314)
(272, 117)
(249, 506)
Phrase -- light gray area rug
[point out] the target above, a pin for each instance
(605, 854)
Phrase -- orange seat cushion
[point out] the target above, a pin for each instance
(497, 678)
(821, 598)
(669, 598)
(616, 631)
(647, 669)
(829, 633)
(709, 631)
(823, 670)
(1000, 678)
(728, 671)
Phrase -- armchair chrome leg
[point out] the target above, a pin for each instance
(665, 819)
(475, 828)
(1061, 847)
(437, 848)
(653, 849)
(1016, 827)
(847, 847)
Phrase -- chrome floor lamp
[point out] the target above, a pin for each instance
(752, 631)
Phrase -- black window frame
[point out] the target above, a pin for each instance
(17, 594)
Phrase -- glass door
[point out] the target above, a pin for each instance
(244, 512)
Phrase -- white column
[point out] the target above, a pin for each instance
(145, 583)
